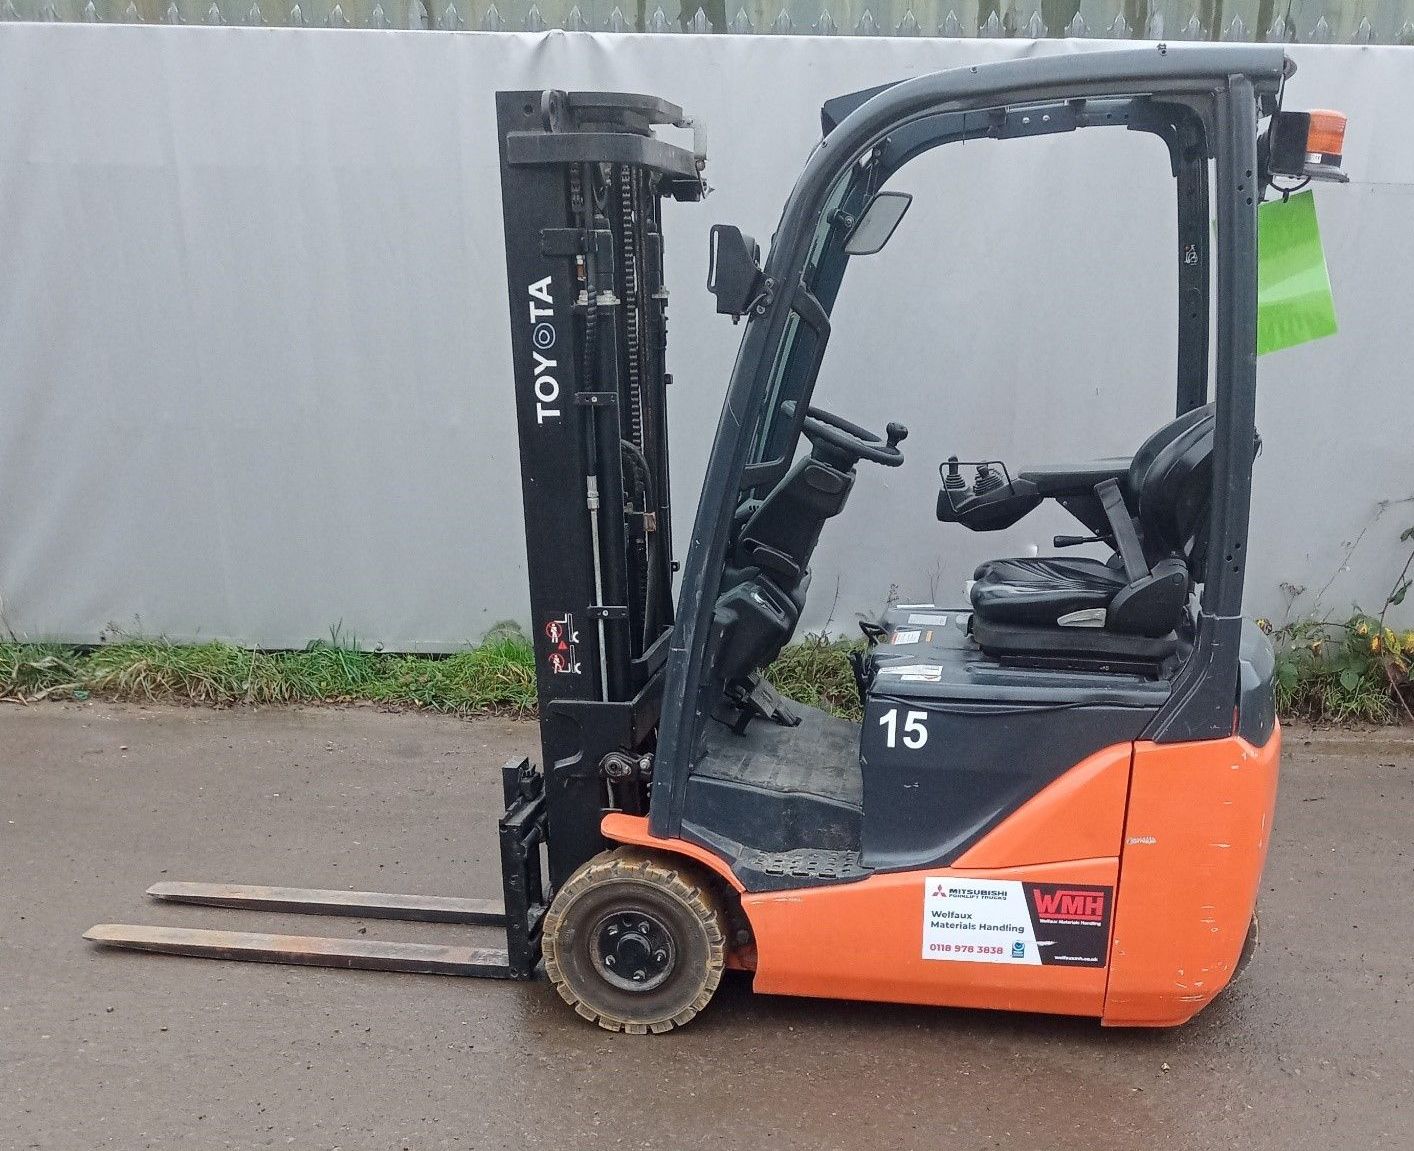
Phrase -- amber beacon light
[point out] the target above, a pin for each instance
(1307, 145)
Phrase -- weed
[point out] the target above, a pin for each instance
(817, 671)
(36, 670)
(1359, 669)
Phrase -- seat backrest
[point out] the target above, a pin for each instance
(1170, 486)
(781, 534)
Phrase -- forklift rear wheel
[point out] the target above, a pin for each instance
(635, 942)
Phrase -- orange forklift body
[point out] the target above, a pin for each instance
(1179, 831)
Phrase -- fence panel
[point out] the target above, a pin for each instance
(255, 366)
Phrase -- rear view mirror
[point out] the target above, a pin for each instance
(733, 269)
(877, 223)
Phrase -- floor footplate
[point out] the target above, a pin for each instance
(317, 901)
(307, 950)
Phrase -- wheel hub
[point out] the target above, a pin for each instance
(632, 950)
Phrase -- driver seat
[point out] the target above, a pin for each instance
(1132, 607)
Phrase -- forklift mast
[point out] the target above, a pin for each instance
(583, 178)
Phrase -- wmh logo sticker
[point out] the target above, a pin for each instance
(1075, 905)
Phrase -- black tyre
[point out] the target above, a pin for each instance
(635, 942)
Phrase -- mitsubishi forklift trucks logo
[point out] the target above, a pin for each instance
(564, 640)
(542, 339)
(944, 890)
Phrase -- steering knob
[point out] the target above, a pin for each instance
(896, 434)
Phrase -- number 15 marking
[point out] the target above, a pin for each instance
(915, 733)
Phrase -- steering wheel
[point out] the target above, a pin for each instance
(828, 431)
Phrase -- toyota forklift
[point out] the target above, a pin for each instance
(1060, 796)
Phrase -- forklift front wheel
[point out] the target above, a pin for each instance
(635, 942)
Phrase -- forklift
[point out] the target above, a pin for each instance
(1060, 795)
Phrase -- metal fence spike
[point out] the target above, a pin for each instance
(574, 22)
(782, 25)
(699, 23)
(825, 26)
(1076, 29)
(1119, 30)
(992, 27)
(533, 22)
(740, 24)
(490, 22)
(1406, 34)
(616, 22)
(130, 14)
(1036, 27)
(378, 18)
(213, 14)
(173, 15)
(296, 19)
(1276, 34)
(336, 18)
(1193, 30)
(951, 25)
(1321, 33)
(255, 17)
(658, 22)
(49, 13)
(1154, 30)
(1237, 30)
(866, 25)
(1363, 32)
(908, 26)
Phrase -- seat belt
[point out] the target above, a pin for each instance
(1131, 551)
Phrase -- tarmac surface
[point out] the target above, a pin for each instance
(1312, 1048)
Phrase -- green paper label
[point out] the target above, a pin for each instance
(1294, 303)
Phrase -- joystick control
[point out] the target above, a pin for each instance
(987, 480)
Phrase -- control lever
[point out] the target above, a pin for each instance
(896, 434)
(1076, 541)
(987, 480)
(953, 481)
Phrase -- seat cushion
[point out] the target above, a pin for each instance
(1040, 590)
(1091, 648)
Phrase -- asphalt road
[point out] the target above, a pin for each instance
(1314, 1048)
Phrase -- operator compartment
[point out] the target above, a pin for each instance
(953, 741)
(1131, 612)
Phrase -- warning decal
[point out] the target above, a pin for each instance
(1007, 921)
(564, 640)
(915, 672)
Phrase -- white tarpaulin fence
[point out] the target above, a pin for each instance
(254, 363)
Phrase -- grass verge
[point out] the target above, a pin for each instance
(496, 677)
(1329, 673)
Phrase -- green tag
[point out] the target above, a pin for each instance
(1294, 302)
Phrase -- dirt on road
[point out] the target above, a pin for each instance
(1313, 1048)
